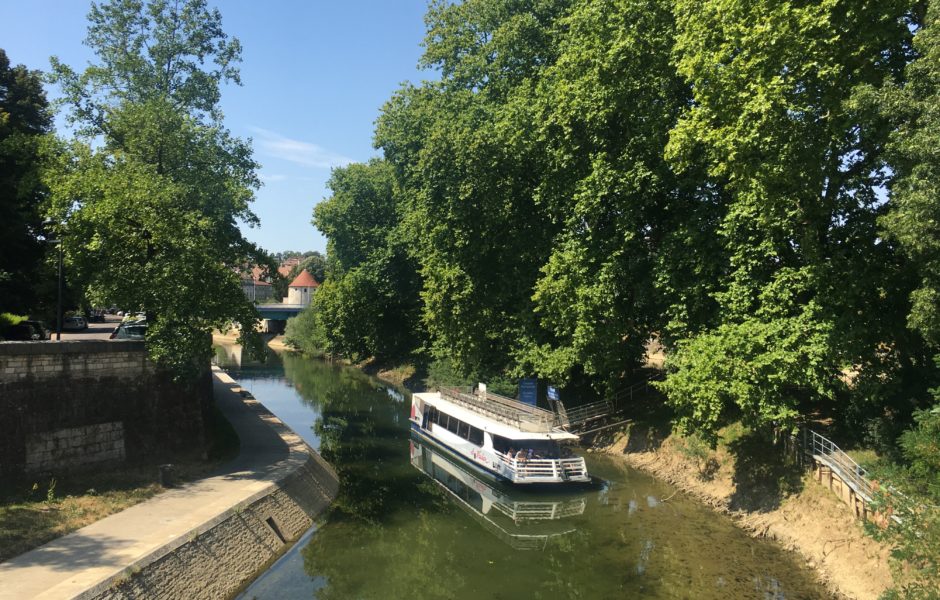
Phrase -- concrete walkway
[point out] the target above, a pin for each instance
(88, 558)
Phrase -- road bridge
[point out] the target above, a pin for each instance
(279, 312)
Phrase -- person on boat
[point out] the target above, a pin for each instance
(521, 455)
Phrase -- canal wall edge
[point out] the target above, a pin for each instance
(218, 557)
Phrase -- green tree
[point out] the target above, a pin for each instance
(24, 119)
(369, 305)
(779, 122)
(151, 210)
(604, 110)
(465, 161)
(915, 192)
(912, 222)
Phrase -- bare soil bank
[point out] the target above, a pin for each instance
(812, 521)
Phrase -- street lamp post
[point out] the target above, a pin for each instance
(58, 312)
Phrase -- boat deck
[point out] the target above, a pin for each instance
(524, 417)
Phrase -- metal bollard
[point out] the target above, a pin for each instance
(167, 473)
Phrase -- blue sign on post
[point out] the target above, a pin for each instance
(528, 390)
(552, 393)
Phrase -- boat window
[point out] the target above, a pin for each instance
(476, 436)
(464, 430)
(500, 444)
(540, 448)
(452, 425)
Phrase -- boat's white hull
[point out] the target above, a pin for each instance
(477, 460)
(521, 472)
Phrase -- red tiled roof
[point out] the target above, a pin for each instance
(304, 279)
(284, 270)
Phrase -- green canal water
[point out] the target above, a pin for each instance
(409, 522)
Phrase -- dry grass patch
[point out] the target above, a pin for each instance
(35, 512)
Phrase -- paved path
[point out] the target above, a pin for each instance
(70, 565)
(95, 331)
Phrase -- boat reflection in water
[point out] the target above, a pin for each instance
(523, 519)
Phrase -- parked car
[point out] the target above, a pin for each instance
(28, 331)
(95, 316)
(74, 323)
(135, 330)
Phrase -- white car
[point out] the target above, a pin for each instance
(75, 323)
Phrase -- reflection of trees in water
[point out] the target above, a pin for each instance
(394, 533)
(363, 433)
(231, 357)
(367, 561)
(379, 521)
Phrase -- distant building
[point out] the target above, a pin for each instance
(301, 289)
(257, 291)
(288, 265)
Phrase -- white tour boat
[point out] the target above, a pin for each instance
(502, 437)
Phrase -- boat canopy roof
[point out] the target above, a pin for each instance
(491, 425)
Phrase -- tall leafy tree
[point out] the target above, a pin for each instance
(369, 305)
(24, 118)
(913, 222)
(777, 121)
(915, 194)
(464, 159)
(151, 209)
(630, 225)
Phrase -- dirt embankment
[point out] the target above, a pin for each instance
(799, 514)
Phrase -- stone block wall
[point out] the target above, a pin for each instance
(216, 560)
(69, 404)
(75, 446)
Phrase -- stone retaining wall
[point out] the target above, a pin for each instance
(78, 403)
(74, 446)
(218, 558)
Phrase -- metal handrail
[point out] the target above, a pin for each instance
(628, 392)
(524, 417)
(588, 412)
(855, 475)
(579, 415)
(544, 468)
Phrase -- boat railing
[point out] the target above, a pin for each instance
(524, 417)
(531, 470)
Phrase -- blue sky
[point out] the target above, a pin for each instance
(314, 76)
